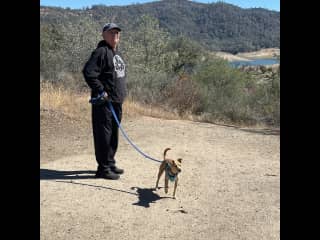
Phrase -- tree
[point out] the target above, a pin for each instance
(51, 58)
(147, 45)
(80, 39)
(183, 55)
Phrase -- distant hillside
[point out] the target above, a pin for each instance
(216, 26)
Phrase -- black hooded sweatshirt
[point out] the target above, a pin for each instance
(105, 71)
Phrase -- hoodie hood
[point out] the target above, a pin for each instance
(102, 43)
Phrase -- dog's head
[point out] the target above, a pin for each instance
(175, 166)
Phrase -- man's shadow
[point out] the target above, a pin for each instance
(146, 196)
(48, 174)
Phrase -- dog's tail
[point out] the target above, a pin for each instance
(165, 152)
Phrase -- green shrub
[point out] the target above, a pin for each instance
(224, 90)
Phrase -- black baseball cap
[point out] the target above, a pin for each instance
(110, 26)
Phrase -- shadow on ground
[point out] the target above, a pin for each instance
(146, 196)
(263, 131)
(48, 174)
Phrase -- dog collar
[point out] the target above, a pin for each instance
(172, 177)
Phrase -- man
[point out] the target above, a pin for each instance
(105, 74)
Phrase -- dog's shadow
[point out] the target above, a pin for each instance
(146, 196)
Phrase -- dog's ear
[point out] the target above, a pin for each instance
(179, 160)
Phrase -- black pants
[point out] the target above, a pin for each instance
(105, 134)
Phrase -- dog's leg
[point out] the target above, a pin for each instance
(175, 187)
(161, 170)
(166, 184)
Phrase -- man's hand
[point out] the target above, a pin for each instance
(101, 99)
(105, 96)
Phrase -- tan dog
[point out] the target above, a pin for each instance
(172, 169)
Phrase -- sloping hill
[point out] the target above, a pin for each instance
(217, 26)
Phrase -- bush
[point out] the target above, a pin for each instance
(265, 101)
(224, 90)
(184, 95)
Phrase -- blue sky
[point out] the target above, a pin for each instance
(269, 4)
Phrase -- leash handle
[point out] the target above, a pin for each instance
(95, 99)
(126, 136)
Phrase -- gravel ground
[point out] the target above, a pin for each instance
(229, 187)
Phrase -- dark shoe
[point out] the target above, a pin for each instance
(117, 170)
(107, 175)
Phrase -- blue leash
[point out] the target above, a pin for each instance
(126, 136)
(99, 100)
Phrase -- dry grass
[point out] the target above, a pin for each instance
(76, 106)
(57, 98)
(133, 109)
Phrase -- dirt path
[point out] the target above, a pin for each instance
(228, 189)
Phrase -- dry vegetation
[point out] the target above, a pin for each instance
(57, 98)
(74, 105)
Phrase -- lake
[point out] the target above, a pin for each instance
(254, 62)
